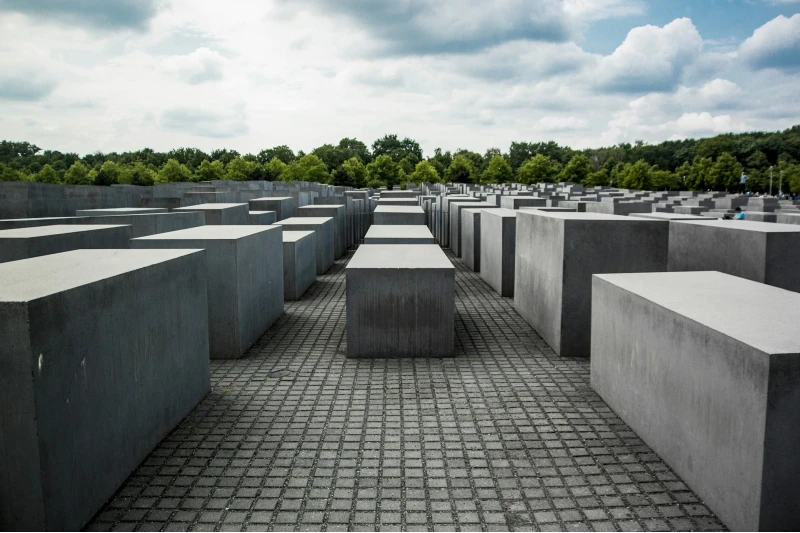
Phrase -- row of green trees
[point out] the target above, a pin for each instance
(713, 163)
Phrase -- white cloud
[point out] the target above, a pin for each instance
(776, 45)
(651, 58)
(561, 123)
(200, 66)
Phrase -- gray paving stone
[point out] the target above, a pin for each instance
(505, 436)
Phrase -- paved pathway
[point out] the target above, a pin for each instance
(505, 436)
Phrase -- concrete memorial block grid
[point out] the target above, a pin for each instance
(221, 214)
(504, 436)
(24, 243)
(398, 215)
(399, 235)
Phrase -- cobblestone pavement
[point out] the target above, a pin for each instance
(505, 436)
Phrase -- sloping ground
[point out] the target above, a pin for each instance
(505, 436)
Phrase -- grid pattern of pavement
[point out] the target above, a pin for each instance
(506, 436)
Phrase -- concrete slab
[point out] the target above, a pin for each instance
(103, 352)
(262, 218)
(667, 216)
(759, 251)
(515, 202)
(24, 243)
(395, 215)
(323, 226)
(119, 211)
(705, 368)
(399, 235)
(338, 214)
(245, 280)
(498, 249)
(556, 255)
(783, 218)
(14, 223)
(400, 302)
(221, 214)
(471, 235)
(284, 206)
(299, 263)
(148, 223)
(455, 221)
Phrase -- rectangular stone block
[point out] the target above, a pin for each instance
(667, 216)
(338, 214)
(284, 206)
(498, 249)
(245, 280)
(24, 243)
(400, 302)
(408, 202)
(14, 223)
(221, 214)
(299, 263)
(262, 218)
(119, 211)
(619, 208)
(399, 194)
(455, 222)
(556, 255)
(150, 223)
(783, 218)
(705, 368)
(102, 354)
(395, 215)
(759, 251)
(471, 236)
(323, 226)
(515, 202)
(399, 235)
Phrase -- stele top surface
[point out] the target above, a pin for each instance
(758, 315)
(124, 210)
(474, 205)
(304, 221)
(261, 212)
(501, 212)
(571, 215)
(398, 209)
(272, 198)
(211, 207)
(745, 225)
(394, 231)
(29, 279)
(203, 233)
(479, 209)
(667, 216)
(400, 256)
(57, 229)
(321, 208)
(294, 236)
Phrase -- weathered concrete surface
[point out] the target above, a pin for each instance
(24, 243)
(455, 209)
(471, 235)
(102, 352)
(221, 214)
(409, 202)
(119, 211)
(14, 223)
(395, 215)
(20, 199)
(667, 216)
(759, 251)
(399, 235)
(619, 208)
(783, 218)
(556, 255)
(515, 202)
(245, 280)
(338, 214)
(323, 226)
(705, 368)
(498, 249)
(150, 223)
(399, 194)
(284, 206)
(262, 218)
(299, 263)
(400, 302)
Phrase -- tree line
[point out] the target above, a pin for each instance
(715, 163)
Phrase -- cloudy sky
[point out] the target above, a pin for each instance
(115, 75)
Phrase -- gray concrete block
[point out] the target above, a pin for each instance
(619, 208)
(498, 249)
(150, 223)
(705, 368)
(409, 202)
(14, 223)
(24, 243)
(783, 218)
(245, 280)
(221, 214)
(667, 216)
(284, 206)
(455, 209)
(262, 218)
(119, 211)
(395, 215)
(471, 236)
(299, 263)
(323, 226)
(556, 255)
(758, 251)
(399, 235)
(399, 194)
(400, 302)
(103, 352)
(515, 202)
(338, 214)
(757, 216)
